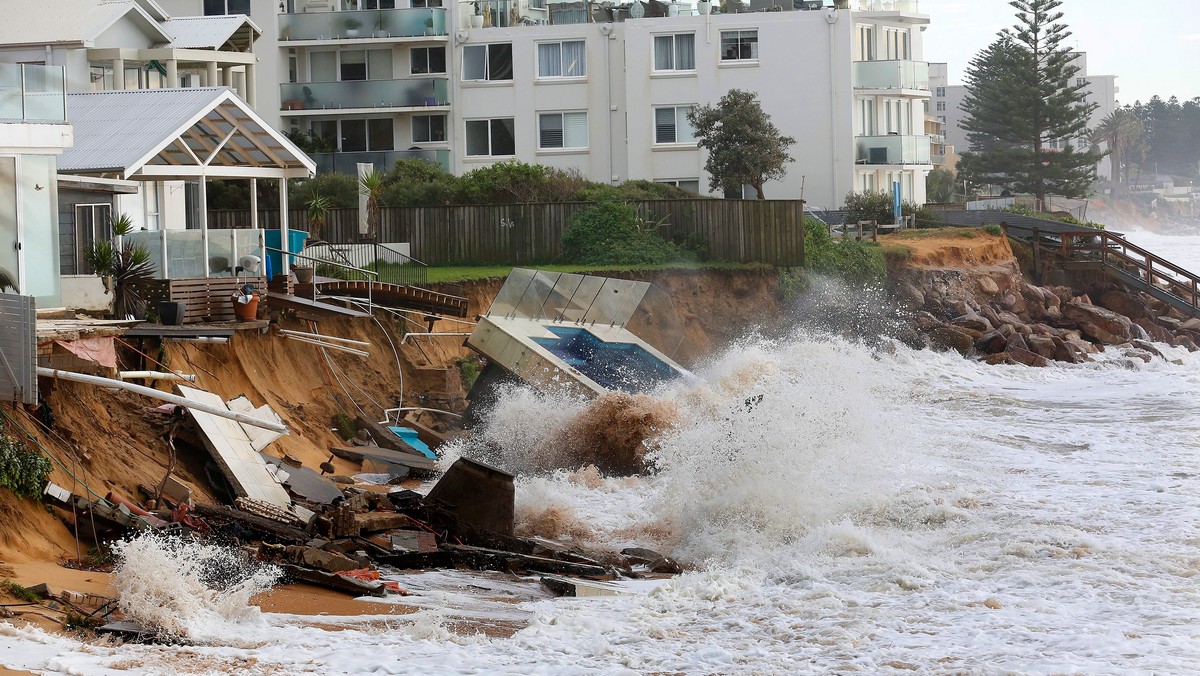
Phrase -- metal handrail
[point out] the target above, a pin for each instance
(368, 273)
(401, 269)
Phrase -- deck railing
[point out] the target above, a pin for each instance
(346, 271)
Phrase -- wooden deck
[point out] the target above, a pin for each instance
(208, 299)
(390, 295)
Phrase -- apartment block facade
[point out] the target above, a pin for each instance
(606, 93)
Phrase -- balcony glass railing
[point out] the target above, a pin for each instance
(365, 94)
(347, 163)
(179, 254)
(910, 6)
(371, 23)
(891, 75)
(32, 93)
(891, 149)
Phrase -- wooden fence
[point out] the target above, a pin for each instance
(741, 231)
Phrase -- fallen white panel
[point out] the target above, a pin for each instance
(230, 446)
(260, 438)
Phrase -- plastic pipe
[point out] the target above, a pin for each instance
(165, 396)
(157, 375)
(318, 336)
(331, 346)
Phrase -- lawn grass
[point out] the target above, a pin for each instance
(466, 273)
(935, 233)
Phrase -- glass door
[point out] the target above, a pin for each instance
(9, 253)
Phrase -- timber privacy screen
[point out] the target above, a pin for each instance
(734, 231)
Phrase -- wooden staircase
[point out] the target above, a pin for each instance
(1120, 259)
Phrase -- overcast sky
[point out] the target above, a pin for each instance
(1152, 47)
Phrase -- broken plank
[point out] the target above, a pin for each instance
(281, 532)
(358, 453)
(494, 559)
(333, 581)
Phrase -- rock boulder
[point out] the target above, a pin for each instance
(1103, 325)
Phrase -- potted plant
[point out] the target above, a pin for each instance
(477, 17)
(352, 25)
(704, 7)
(841, 4)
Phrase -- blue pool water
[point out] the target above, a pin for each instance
(626, 367)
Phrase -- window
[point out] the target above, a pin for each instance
(939, 92)
(866, 43)
(866, 117)
(1080, 81)
(429, 129)
(93, 223)
(895, 43)
(491, 138)
(868, 182)
(942, 119)
(223, 7)
(356, 135)
(671, 125)
(562, 59)
(562, 130)
(426, 3)
(941, 106)
(102, 78)
(428, 60)
(675, 52)
(739, 45)
(487, 63)
(379, 4)
(688, 184)
(350, 65)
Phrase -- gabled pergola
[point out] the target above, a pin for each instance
(182, 135)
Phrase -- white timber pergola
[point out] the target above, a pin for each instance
(182, 135)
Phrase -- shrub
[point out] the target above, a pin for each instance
(22, 471)
(1026, 211)
(341, 189)
(850, 260)
(345, 426)
(993, 229)
(877, 206)
(612, 233)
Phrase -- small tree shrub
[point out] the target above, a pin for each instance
(993, 229)
(847, 259)
(611, 233)
(22, 471)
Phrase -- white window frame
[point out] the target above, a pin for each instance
(563, 129)
(681, 111)
(674, 37)
(896, 44)
(487, 62)
(537, 57)
(754, 46)
(866, 42)
(489, 121)
(939, 92)
(429, 128)
(101, 230)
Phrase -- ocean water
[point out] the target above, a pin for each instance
(842, 509)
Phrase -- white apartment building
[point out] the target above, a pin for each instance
(947, 103)
(469, 83)
(572, 85)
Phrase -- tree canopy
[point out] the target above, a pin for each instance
(744, 146)
(1170, 135)
(1022, 99)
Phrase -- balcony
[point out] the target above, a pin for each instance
(891, 75)
(346, 163)
(32, 93)
(906, 6)
(361, 24)
(891, 150)
(364, 94)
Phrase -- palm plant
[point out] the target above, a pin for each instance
(371, 184)
(127, 265)
(7, 280)
(1121, 131)
(318, 211)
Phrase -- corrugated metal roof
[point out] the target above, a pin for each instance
(68, 21)
(113, 130)
(123, 131)
(207, 32)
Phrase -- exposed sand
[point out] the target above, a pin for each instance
(949, 249)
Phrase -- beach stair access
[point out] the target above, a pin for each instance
(1108, 252)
